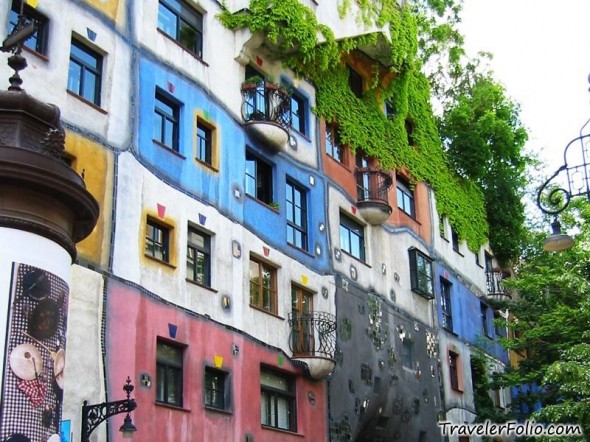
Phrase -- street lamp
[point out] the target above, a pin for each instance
(553, 198)
(93, 415)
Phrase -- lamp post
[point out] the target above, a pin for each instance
(553, 198)
(94, 415)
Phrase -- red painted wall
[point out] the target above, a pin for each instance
(135, 321)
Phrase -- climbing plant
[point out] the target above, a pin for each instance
(292, 31)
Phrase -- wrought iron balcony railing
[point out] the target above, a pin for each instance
(265, 101)
(495, 284)
(312, 334)
(372, 185)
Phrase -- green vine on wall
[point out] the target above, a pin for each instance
(293, 30)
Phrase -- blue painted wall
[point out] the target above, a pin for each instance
(218, 188)
(466, 311)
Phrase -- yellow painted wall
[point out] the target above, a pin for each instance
(96, 164)
(112, 8)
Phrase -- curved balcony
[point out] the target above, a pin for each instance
(313, 341)
(372, 200)
(266, 110)
(494, 281)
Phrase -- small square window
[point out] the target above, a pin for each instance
(408, 353)
(204, 143)
(216, 389)
(421, 274)
(355, 81)
(182, 23)
(352, 237)
(455, 240)
(166, 121)
(258, 178)
(263, 286)
(405, 198)
(390, 108)
(157, 241)
(38, 41)
(278, 408)
(333, 146)
(298, 113)
(296, 200)
(85, 72)
(409, 126)
(198, 257)
(169, 368)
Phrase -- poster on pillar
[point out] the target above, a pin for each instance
(33, 381)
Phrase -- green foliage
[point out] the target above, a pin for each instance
(292, 30)
(483, 403)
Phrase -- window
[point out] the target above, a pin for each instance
(499, 325)
(409, 125)
(455, 240)
(85, 72)
(277, 402)
(484, 319)
(408, 353)
(263, 286)
(302, 331)
(421, 274)
(169, 363)
(157, 241)
(390, 108)
(362, 179)
(445, 299)
(405, 198)
(333, 147)
(296, 216)
(38, 41)
(355, 81)
(198, 257)
(166, 121)
(258, 179)
(442, 227)
(298, 105)
(352, 237)
(204, 143)
(454, 370)
(182, 23)
(216, 388)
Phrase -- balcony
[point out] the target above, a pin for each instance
(494, 281)
(313, 341)
(266, 110)
(372, 200)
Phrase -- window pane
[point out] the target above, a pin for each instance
(89, 91)
(74, 76)
(166, 21)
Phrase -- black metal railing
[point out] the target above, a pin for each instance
(495, 284)
(372, 185)
(266, 102)
(312, 334)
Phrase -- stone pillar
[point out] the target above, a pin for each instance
(45, 210)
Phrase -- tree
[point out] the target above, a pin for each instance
(552, 326)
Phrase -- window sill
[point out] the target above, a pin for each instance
(458, 253)
(280, 430)
(169, 149)
(301, 134)
(424, 295)
(299, 249)
(172, 407)
(262, 203)
(218, 410)
(159, 261)
(360, 261)
(448, 330)
(206, 165)
(36, 54)
(184, 48)
(198, 284)
(255, 307)
(457, 390)
(340, 163)
(85, 101)
(412, 217)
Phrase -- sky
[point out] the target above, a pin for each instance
(542, 56)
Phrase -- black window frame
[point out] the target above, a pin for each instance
(270, 418)
(85, 70)
(261, 177)
(221, 385)
(156, 243)
(171, 116)
(455, 240)
(204, 143)
(168, 365)
(351, 227)
(299, 113)
(334, 148)
(446, 288)
(39, 41)
(188, 16)
(420, 272)
(197, 249)
(296, 228)
(405, 197)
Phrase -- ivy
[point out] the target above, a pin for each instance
(292, 30)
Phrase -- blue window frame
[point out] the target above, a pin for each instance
(166, 121)
(296, 215)
(298, 109)
(38, 41)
